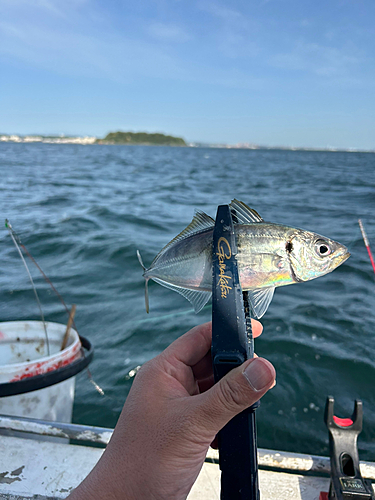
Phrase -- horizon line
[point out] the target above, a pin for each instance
(91, 140)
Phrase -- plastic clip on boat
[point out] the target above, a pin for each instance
(232, 344)
(347, 482)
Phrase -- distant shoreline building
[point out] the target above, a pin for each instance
(48, 140)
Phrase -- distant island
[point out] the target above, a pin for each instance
(143, 138)
(130, 138)
(157, 139)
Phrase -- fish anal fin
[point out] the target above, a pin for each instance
(197, 298)
(243, 213)
(260, 299)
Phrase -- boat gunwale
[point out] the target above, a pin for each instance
(267, 459)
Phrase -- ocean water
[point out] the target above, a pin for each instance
(83, 211)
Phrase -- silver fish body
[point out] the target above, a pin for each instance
(269, 255)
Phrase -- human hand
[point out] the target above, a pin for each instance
(171, 416)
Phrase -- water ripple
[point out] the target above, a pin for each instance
(83, 211)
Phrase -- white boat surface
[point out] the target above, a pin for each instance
(44, 470)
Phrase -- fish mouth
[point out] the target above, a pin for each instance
(341, 256)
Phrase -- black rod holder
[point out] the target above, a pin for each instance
(347, 482)
(232, 344)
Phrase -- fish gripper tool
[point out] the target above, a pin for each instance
(347, 482)
(232, 344)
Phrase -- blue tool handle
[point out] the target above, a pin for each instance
(232, 344)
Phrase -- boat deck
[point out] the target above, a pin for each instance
(41, 470)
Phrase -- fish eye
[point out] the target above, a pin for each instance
(322, 248)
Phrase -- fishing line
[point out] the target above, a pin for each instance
(14, 237)
(137, 322)
(47, 280)
(166, 316)
(146, 320)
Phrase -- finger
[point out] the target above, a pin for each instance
(257, 328)
(215, 443)
(235, 392)
(193, 346)
(203, 372)
(206, 383)
(203, 368)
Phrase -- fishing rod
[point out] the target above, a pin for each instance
(367, 243)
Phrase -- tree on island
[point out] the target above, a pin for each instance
(143, 138)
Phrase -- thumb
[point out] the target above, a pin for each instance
(235, 392)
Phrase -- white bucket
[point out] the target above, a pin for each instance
(23, 355)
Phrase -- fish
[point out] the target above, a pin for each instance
(269, 255)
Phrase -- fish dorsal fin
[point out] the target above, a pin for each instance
(197, 298)
(260, 299)
(200, 222)
(243, 213)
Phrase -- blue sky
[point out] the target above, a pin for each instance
(271, 72)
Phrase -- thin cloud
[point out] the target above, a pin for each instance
(221, 11)
(305, 23)
(168, 33)
(63, 52)
(318, 59)
(54, 7)
(236, 34)
(85, 43)
(225, 14)
(115, 57)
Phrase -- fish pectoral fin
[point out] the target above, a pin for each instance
(243, 213)
(260, 299)
(197, 298)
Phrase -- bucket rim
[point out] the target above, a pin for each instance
(47, 379)
(45, 358)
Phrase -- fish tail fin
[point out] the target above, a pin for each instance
(140, 260)
(146, 286)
